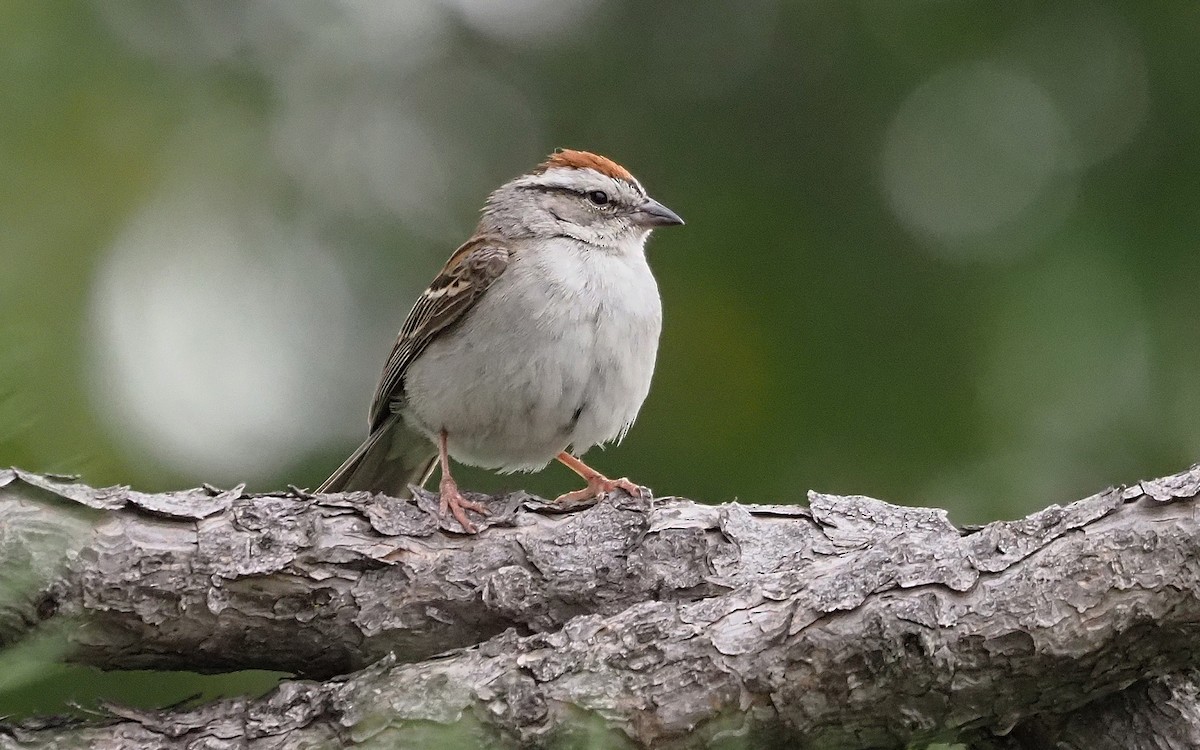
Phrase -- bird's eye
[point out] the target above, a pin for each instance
(599, 197)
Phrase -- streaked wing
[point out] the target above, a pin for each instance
(466, 276)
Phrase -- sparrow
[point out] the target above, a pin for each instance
(535, 342)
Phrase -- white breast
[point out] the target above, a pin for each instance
(558, 352)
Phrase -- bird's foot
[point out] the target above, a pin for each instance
(598, 486)
(454, 502)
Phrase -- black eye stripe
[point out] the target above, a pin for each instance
(612, 199)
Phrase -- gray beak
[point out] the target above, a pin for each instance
(654, 214)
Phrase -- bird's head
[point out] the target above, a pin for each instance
(580, 195)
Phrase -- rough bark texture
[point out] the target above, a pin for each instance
(1158, 714)
(850, 623)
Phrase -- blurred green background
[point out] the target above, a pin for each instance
(941, 253)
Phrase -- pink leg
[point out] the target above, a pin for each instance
(452, 499)
(597, 483)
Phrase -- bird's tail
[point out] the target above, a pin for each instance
(393, 457)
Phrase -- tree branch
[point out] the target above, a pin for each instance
(852, 623)
(1159, 714)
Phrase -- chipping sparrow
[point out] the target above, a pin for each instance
(536, 341)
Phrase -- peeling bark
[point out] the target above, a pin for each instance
(850, 623)
(1159, 714)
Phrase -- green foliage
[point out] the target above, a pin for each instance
(40, 685)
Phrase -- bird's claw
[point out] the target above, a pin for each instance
(452, 500)
(601, 485)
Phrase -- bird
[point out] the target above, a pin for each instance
(535, 342)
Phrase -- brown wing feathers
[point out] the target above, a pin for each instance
(468, 273)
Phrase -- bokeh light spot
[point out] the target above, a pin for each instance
(970, 154)
(216, 333)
